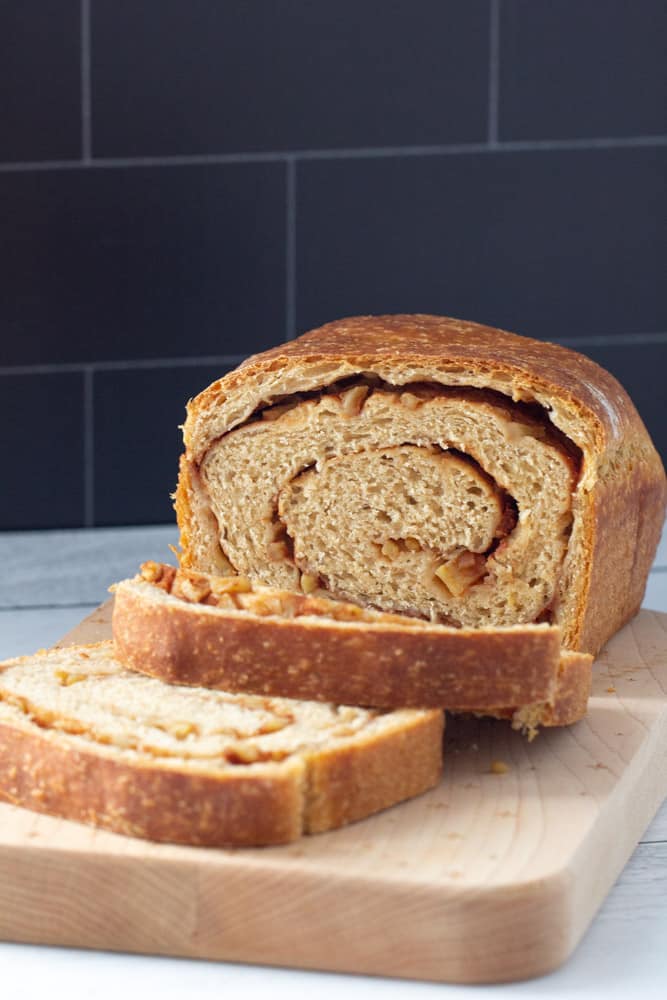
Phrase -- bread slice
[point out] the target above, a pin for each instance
(83, 738)
(225, 632)
(431, 466)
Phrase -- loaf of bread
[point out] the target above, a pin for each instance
(429, 467)
(85, 739)
(226, 632)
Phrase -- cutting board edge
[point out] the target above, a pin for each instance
(643, 799)
(430, 947)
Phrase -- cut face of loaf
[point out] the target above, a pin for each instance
(429, 529)
(430, 467)
(83, 738)
(225, 632)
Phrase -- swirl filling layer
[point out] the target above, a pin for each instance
(452, 505)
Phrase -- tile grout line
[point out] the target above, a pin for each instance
(370, 152)
(142, 364)
(147, 364)
(290, 250)
(183, 362)
(88, 448)
(494, 72)
(611, 340)
(86, 111)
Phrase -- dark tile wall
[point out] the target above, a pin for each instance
(582, 68)
(173, 76)
(42, 450)
(183, 182)
(124, 263)
(136, 444)
(558, 243)
(40, 80)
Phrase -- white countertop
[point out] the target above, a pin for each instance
(49, 582)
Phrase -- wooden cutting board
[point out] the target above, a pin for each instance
(489, 877)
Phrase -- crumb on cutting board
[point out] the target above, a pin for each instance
(499, 767)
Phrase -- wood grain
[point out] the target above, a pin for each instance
(489, 877)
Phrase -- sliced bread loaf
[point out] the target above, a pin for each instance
(83, 738)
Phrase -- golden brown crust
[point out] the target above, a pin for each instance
(381, 664)
(572, 692)
(624, 521)
(434, 346)
(155, 803)
(620, 502)
(343, 787)
(568, 703)
(45, 770)
(184, 507)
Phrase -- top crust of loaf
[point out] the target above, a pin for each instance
(620, 499)
(583, 400)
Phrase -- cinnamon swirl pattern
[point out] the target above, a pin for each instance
(428, 467)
